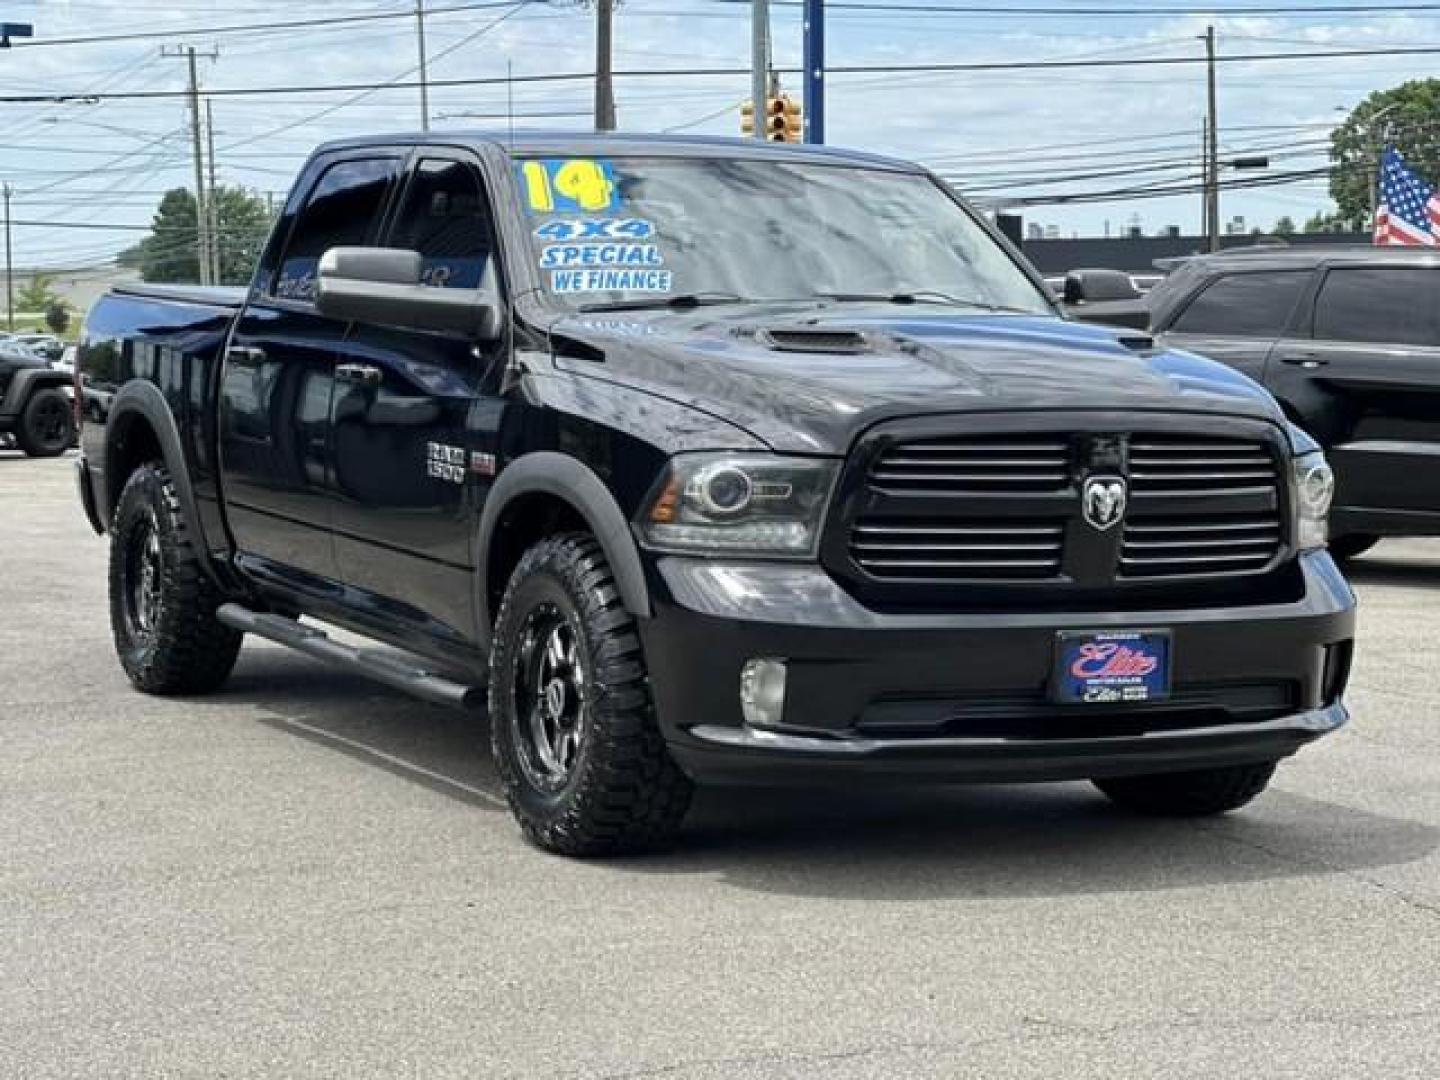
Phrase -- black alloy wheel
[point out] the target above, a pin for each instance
(549, 688)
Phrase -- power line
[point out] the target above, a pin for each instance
(1006, 11)
(730, 72)
(251, 28)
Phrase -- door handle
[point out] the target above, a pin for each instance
(1304, 358)
(364, 374)
(246, 354)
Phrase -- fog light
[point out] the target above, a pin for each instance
(762, 692)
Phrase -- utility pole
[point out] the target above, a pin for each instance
(1212, 147)
(9, 266)
(213, 202)
(814, 61)
(759, 60)
(604, 65)
(424, 66)
(202, 204)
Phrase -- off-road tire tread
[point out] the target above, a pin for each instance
(23, 435)
(192, 651)
(1190, 794)
(630, 795)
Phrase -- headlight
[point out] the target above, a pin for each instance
(1314, 488)
(743, 504)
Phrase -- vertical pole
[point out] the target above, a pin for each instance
(424, 65)
(1212, 147)
(9, 267)
(202, 223)
(814, 62)
(213, 201)
(759, 61)
(1205, 179)
(604, 65)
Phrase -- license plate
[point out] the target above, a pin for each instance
(1112, 667)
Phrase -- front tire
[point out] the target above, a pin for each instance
(162, 602)
(1203, 793)
(47, 424)
(572, 724)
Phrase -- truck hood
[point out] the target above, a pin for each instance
(808, 380)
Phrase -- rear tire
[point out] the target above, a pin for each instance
(572, 725)
(1189, 794)
(162, 602)
(1344, 548)
(47, 424)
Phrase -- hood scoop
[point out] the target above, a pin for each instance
(805, 340)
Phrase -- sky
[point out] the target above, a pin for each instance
(87, 174)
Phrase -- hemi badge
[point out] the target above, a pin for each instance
(482, 464)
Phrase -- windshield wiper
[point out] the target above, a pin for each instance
(918, 296)
(680, 300)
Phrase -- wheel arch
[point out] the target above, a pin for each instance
(25, 382)
(565, 494)
(142, 428)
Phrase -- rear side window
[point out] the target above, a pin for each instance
(1379, 304)
(1244, 305)
(343, 210)
(445, 217)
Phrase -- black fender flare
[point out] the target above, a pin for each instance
(550, 473)
(27, 380)
(142, 401)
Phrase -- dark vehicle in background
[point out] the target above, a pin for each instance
(715, 461)
(35, 403)
(1348, 340)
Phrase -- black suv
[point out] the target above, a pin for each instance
(35, 409)
(1348, 339)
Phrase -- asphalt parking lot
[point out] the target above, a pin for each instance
(307, 875)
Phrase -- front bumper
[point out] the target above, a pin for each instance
(964, 697)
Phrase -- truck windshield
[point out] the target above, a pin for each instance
(628, 231)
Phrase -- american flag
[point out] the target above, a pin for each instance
(1409, 209)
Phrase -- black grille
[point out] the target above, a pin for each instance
(1040, 463)
(1187, 465)
(1004, 510)
(1201, 483)
(1029, 714)
(958, 548)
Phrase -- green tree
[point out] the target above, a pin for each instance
(1407, 117)
(1285, 226)
(57, 316)
(38, 294)
(169, 253)
(1323, 222)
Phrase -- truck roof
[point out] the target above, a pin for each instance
(614, 144)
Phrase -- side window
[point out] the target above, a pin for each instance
(1245, 305)
(1379, 304)
(343, 210)
(446, 218)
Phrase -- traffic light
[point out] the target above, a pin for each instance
(747, 119)
(783, 122)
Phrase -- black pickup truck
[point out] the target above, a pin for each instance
(712, 461)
